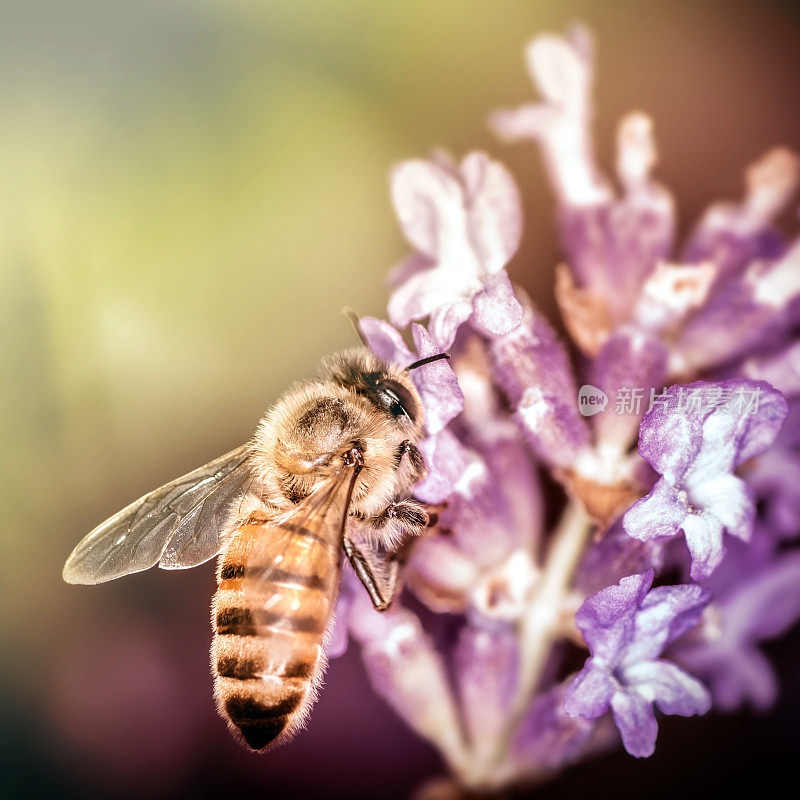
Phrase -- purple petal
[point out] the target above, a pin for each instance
(447, 461)
(562, 70)
(768, 604)
(743, 562)
(440, 574)
(718, 452)
(589, 695)
(743, 313)
(666, 613)
(740, 418)
(405, 668)
(532, 356)
(736, 234)
(554, 429)
(428, 202)
(548, 736)
(774, 478)
(752, 678)
(447, 319)
(673, 691)
(695, 436)
(492, 522)
(466, 221)
(615, 555)
(627, 368)
(406, 269)
(531, 366)
(511, 472)
(637, 725)
(606, 618)
(432, 291)
(486, 661)
(763, 424)
(494, 210)
(754, 608)
(781, 369)
(659, 513)
(671, 432)
(385, 341)
(613, 247)
(735, 675)
(675, 609)
(496, 310)
(436, 383)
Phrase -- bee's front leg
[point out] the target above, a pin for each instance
(376, 570)
(400, 517)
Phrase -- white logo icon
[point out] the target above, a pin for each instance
(591, 400)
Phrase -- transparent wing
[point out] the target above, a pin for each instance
(175, 526)
(290, 569)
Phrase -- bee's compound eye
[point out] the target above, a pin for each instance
(397, 400)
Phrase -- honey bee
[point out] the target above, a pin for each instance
(333, 453)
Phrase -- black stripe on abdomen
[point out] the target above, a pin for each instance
(231, 572)
(244, 622)
(243, 708)
(244, 668)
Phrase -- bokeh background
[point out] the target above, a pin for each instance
(189, 192)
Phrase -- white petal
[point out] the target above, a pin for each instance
(729, 499)
(673, 690)
(704, 540)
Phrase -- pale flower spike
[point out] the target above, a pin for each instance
(682, 425)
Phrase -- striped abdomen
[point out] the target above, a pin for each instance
(277, 586)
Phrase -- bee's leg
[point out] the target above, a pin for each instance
(409, 459)
(376, 570)
(399, 523)
(402, 517)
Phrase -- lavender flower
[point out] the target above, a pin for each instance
(465, 223)
(626, 627)
(695, 438)
(471, 655)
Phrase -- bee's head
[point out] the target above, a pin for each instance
(387, 387)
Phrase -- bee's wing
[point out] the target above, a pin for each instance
(176, 526)
(301, 551)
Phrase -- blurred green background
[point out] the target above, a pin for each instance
(189, 193)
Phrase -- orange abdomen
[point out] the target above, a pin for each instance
(277, 587)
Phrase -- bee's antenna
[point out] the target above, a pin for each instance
(354, 319)
(422, 361)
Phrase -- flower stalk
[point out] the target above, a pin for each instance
(540, 626)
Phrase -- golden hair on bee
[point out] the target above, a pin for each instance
(329, 469)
